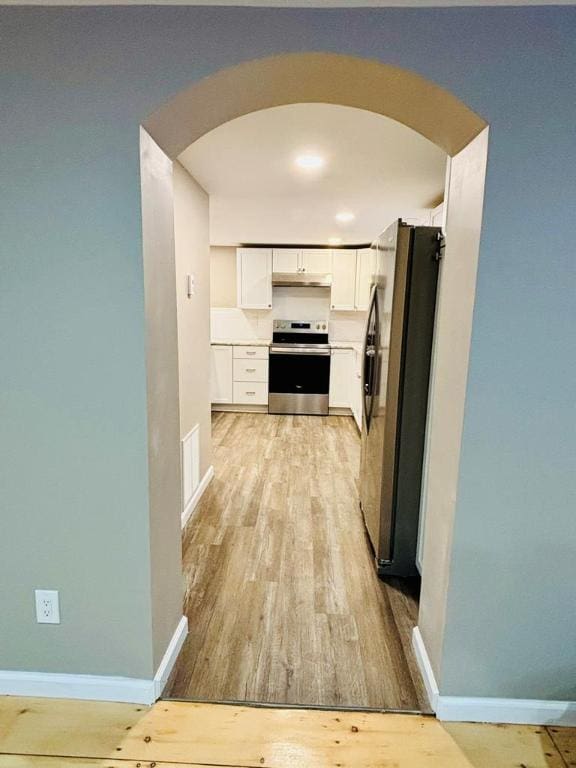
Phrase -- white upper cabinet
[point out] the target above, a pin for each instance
(365, 266)
(286, 260)
(310, 260)
(317, 260)
(343, 292)
(254, 278)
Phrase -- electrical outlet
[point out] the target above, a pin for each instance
(47, 606)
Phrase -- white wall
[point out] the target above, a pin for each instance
(290, 302)
(456, 294)
(222, 276)
(163, 398)
(191, 236)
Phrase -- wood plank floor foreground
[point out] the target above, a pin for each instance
(47, 733)
(283, 601)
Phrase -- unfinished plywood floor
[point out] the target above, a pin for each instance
(44, 733)
(283, 602)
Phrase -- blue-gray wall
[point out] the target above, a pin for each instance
(75, 84)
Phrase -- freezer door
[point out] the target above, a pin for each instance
(374, 383)
(396, 330)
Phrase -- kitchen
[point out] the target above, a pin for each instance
(303, 287)
(295, 247)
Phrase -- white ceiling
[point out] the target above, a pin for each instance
(375, 167)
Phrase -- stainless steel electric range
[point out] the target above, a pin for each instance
(299, 374)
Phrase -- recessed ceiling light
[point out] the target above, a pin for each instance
(310, 161)
(344, 217)
(334, 240)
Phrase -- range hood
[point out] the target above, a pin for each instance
(301, 279)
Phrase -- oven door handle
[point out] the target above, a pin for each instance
(288, 351)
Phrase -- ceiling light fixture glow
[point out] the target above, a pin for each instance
(344, 217)
(309, 161)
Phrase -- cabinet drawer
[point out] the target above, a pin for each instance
(250, 392)
(251, 370)
(251, 353)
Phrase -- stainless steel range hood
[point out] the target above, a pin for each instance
(301, 279)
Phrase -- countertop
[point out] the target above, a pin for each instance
(355, 345)
(242, 342)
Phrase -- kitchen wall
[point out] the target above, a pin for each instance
(77, 82)
(290, 302)
(223, 276)
(191, 237)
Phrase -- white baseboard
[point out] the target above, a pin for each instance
(198, 493)
(521, 711)
(425, 668)
(477, 709)
(170, 656)
(96, 687)
(232, 408)
(338, 410)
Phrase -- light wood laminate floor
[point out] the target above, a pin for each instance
(47, 733)
(282, 598)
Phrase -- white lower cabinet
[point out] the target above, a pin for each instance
(345, 382)
(357, 395)
(341, 368)
(250, 370)
(239, 374)
(250, 393)
(221, 374)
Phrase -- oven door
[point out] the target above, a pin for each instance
(299, 380)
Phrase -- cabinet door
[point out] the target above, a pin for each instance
(286, 260)
(341, 370)
(365, 265)
(356, 395)
(254, 276)
(343, 279)
(221, 374)
(317, 260)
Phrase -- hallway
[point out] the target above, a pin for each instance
(281, 595)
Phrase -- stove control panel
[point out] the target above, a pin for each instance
(301, 326)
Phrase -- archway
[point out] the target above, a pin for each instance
(422, 106)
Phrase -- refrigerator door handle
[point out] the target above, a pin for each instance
(368, 350)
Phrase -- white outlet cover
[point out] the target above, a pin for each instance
(47, 606)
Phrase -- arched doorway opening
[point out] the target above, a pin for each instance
(334, 79)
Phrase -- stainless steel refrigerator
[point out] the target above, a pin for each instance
(395, 382)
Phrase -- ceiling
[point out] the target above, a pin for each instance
(374, 167)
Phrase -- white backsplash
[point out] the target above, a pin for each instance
(289, 303)
(242, 324)
(346, 326)
(293, 303)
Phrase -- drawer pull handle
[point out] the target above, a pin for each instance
(251, 353)
(250, 393)
(250, 370)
